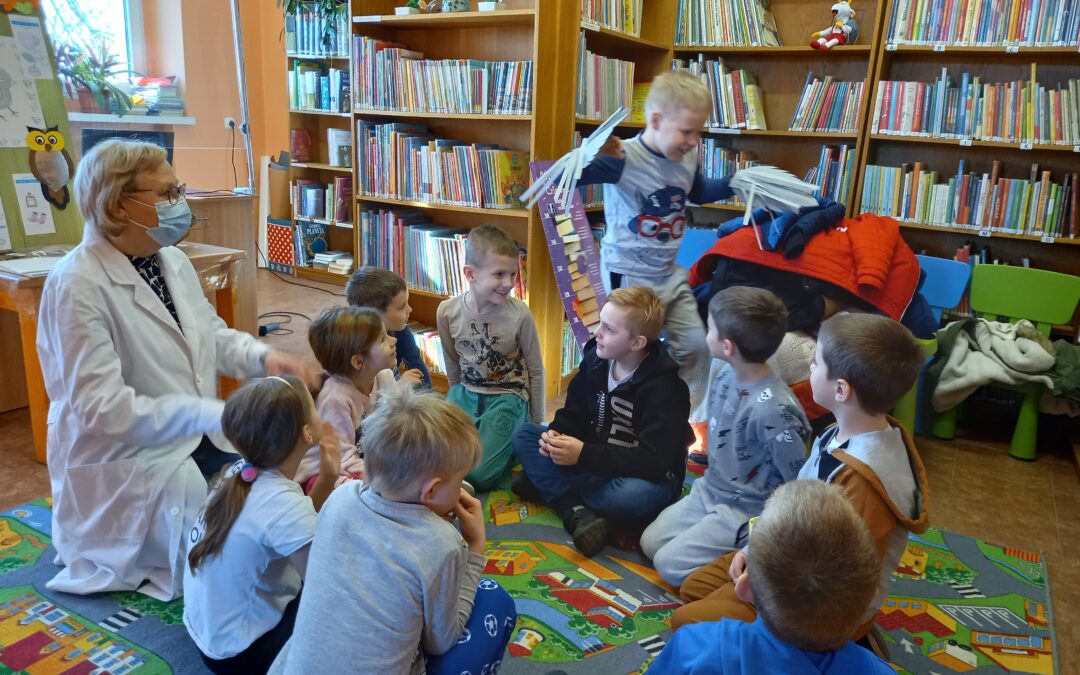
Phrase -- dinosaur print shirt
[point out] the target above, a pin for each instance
(757, 438)
(497, 352)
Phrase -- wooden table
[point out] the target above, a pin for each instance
(218, 270)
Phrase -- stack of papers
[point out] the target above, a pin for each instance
(32, 266)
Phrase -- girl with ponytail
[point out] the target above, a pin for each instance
(247, 554)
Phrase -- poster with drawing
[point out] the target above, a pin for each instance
(575, 258)
(36, 213)
(19, 105)
(31, 46)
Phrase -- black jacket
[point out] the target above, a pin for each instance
(640, 429)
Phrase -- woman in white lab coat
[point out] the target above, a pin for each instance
(131, 350)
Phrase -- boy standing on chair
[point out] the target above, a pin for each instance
(653, 177)
(492, 352)
(617, 449)
(863, 365)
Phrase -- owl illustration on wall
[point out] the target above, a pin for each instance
(51, 164)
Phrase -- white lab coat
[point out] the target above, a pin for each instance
(131, 397)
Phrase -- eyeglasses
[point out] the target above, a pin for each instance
(173, 193)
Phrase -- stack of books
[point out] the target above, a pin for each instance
(309, 31)
(336, 259)
(156, 96)
(331, 202)
(310, 239)
(404, 161)
(428, 256)
(604, 85)
(828, 105)
(314, 87)
(1001, 111)
(835, 173)
(571, 351)
(988, 201)
(736, 97)
(430, 345)
(727, 23)
(985, 22)
(621, 15)
(390, 77)
(719, 161)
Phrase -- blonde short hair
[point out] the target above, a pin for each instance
(677, 90)
(413, 436)
(106, 173)
(644, 311)
(815, 566)
(488, 240)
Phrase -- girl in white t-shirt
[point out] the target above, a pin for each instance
(353, 347)
(248, 550)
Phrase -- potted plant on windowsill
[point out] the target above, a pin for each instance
(331, 12)
(88, 77)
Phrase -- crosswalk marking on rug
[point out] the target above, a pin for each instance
(121, 619)
(967, 591)
(652, 644)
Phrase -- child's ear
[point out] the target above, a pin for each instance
(307, 434)
(843, 391)
(728, 347)
(470, 273)
(357, 362)
(654, 119)
(639, 343)
(428, 489)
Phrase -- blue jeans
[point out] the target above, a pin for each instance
(483, 643)
(622, 499)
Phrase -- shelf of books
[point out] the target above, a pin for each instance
(409, 130)
(973, 136)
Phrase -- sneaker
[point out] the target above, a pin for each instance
(524, 488)
(589, 531)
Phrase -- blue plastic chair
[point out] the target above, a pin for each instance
(946, 281)
(696, 240)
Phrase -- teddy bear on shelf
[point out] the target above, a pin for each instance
(843, 31)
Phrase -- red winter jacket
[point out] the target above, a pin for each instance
(865, 256)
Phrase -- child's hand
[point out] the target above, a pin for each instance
(413, 376)
(613, 146)
(329, 451)
(545, 441)
(565, 450)
(471, 516)
(281, 363)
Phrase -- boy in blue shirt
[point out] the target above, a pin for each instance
(816, 568)
(385, 291)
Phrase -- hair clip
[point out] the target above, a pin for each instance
(248, 472)
(279, 379)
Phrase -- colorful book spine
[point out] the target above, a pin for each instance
(310, 31)
(312, 86)
(736, 96)
(621, 15)
(828, 105)
(571, 350)
(1054, 23)
(604, 84)
(834, 173)
(725, 23)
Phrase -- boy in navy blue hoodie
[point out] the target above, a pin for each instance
(617, 449)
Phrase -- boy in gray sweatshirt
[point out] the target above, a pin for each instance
(388, 562)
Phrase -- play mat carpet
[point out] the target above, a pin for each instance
(957, 605)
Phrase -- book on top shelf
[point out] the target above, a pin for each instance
(828, 105)
(311, 32)
(623, 16)
(736, 97)
(1020, 111)
(728, 23)
(390, 77)
(834, 173)
(985, 22)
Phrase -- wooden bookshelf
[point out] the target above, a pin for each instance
(998, 63)
(406, 204)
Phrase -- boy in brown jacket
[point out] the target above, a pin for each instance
(863, 365)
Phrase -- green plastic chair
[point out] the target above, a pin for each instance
(946, 281)
(1008, 293)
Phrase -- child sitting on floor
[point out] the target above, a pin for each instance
(862, 366)
(390, 567)
(492, 351)
(249, 547)
(617, 449)
(354, 349)
(386, 292)
(756, 438)
(815, 570)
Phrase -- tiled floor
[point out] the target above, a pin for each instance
(975, 487)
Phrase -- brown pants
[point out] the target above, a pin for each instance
(709, 594)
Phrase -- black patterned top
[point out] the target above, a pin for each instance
(150, 270)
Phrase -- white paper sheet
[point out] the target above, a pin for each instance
(32, 266)
(19, 106)
(33, 53)
(5, 236)
(36, 213)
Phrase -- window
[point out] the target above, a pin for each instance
(88, 24)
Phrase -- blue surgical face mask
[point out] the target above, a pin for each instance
(174, 221)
